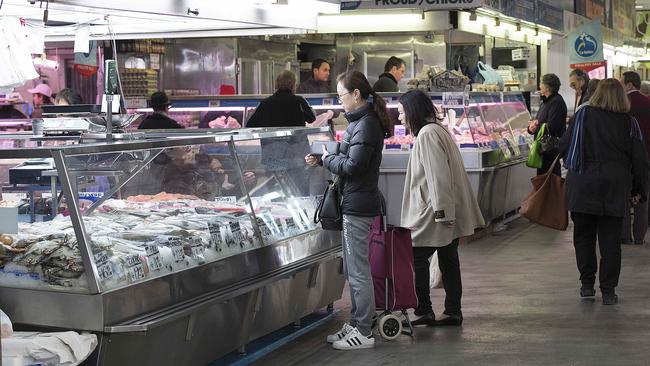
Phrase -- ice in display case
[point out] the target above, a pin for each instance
(149, 224)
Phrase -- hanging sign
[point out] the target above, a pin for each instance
(585, 43)
(412, 4)
(86, 63)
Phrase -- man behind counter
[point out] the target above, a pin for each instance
(159, 120)
(394, 70)
(319, 82)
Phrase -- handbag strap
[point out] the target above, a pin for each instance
(550, 169)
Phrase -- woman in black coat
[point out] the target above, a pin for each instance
(607, 162)
(553, 112)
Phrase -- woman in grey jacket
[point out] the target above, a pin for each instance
(438, 205)
(357, 163)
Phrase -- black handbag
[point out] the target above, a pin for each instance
(329, 213)
(549, 144)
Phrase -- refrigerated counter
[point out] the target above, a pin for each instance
(196, 243)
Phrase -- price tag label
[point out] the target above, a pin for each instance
(136, 273)
(105, 271)
(237, 234)
(197, 247)
(264, 229)
(226, 199)
(153, 254)
(216, 239)
(101, 257)
(177, 249)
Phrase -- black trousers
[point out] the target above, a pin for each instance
(608, 231)
(450, 269)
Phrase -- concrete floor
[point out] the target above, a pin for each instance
(521, 307)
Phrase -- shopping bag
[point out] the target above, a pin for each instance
(391, 257)
(435, 276)
(535, 159)
(329, 213)
(489, 75)
(546, 204)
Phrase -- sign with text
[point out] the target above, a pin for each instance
(550, 16)
(585, 43)
(414, 4)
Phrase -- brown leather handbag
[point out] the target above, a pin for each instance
(546, 204)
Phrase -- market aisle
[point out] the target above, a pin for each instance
(521, 307)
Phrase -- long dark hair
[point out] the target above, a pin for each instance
(418, 109)
(356, 80)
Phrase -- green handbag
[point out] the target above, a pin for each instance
(535, 154)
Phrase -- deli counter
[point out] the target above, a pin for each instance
(198, 242)
(489, 128)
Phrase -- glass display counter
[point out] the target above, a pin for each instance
(153, 231)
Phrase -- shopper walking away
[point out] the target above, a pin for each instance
(640, 109)
(159, 119)
(552, 112)
(357, 163)
(394, 70)
(607, 160)
(438, 205)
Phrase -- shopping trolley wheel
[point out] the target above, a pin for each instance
(390, 327)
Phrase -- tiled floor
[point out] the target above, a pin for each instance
(521, 307)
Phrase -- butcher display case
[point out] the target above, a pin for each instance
(490, 130)
(161, 239)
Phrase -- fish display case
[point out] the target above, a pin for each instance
(198, 242)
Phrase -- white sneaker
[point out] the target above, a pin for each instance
(347, 328)
(355, 340)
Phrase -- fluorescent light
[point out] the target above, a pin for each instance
(639, 6)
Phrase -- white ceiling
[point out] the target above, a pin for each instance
(169, 18)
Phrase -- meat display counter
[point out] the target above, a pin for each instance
(490, 130)
(196, 243)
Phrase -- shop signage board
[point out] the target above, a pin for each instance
(585, 43)
(550, 16)
(593, 9)
(412, 4)
(520, 9)
(623, 17)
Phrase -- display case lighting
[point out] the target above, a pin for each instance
(196, 109)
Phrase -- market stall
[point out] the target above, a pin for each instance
(489, 128)
(197, 243)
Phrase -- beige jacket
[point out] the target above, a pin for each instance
(436, 190)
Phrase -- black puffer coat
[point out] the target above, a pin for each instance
(358, 162)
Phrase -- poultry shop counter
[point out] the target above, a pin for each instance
(194, 243)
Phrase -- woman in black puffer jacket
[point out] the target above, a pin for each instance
(357, 163)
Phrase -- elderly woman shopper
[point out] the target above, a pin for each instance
(357, 162)
(438, 205)
(607, 162)
(552, 112)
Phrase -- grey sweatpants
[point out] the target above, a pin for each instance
(357, 271)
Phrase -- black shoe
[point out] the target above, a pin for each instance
(639, 242)
(610, 299)
(587, 291)
(626, 242)
(426, 319)
(452, 320)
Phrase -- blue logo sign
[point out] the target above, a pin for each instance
(586, 45)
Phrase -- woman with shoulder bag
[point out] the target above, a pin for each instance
(357, 164)
(438, 205)
(553, 113)
(607, 162)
